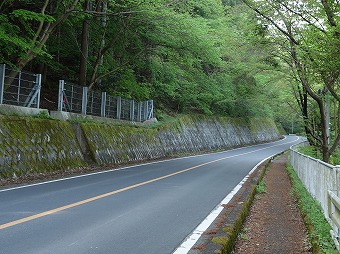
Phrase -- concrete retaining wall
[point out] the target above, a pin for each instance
(114, 144)
(32, 146)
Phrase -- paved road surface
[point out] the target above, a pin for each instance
(149, 208)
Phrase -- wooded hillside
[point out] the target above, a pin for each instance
(225, 57)
(189, 56)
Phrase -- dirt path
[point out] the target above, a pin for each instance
(274, 224)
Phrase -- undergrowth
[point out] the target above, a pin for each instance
(42, 115)
(317, 225)
(316, 153)
(261, 187)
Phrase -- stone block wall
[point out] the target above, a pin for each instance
(31, 146)
(117, 144)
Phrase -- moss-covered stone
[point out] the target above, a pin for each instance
(119, 144)
(33, 146)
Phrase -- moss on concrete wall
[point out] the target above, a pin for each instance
(116, 144)
(32, 146)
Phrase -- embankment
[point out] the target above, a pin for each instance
(33, 146)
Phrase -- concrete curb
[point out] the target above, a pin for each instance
(20, 111)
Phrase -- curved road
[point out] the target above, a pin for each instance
(149, 208)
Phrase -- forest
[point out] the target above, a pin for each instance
(237, 58)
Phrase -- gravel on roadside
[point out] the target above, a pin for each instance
(274, 224)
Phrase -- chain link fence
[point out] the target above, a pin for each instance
(19, 88)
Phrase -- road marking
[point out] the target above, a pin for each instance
(134, 166)
(59, 209)
(190, 241)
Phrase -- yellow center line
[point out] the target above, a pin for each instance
(62, 208)
(59, 209)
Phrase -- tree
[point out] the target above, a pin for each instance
(189, 56)
(31, 28)
(311, 32)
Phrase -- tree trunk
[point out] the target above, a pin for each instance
(21, 63)
(40, 38)
(84, 48)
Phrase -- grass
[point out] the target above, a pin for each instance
(42, 115)
(243, 234)
(165, 119)
(261, 187)
(313, 215)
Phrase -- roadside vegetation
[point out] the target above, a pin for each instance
(236, 58)
(317, 226)
(314, 152)
(209, 57)
(261, 187)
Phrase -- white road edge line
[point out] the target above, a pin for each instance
(190, 241)
(133, 166)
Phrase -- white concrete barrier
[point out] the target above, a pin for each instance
(319, 178)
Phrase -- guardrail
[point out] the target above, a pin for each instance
(320, 179)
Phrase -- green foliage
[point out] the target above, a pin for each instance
(315, 152)
(311, 151)
(42, 115)
(317, 225)
(261, 187)
(306, 37)
(27, 15)
(189, 56)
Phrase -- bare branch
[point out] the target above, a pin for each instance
(289, 36)
(309, 22)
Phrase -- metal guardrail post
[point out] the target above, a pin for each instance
(139, 112)
(132, 110)
(34, 95)
(2, 81)
(84, 100)
(146, 110)
(19, 86)
(119, 107)
(337, 175)
(103, 104)
(90, 102)
(151, 109)
(38, 83)
(61, 95)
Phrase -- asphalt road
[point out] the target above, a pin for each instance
(148, 208)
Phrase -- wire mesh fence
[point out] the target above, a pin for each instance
(111, 106)
(76, 99)
(125, 110)
(19, 88)
(23, 89)
(70, 97)
(94, 103)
